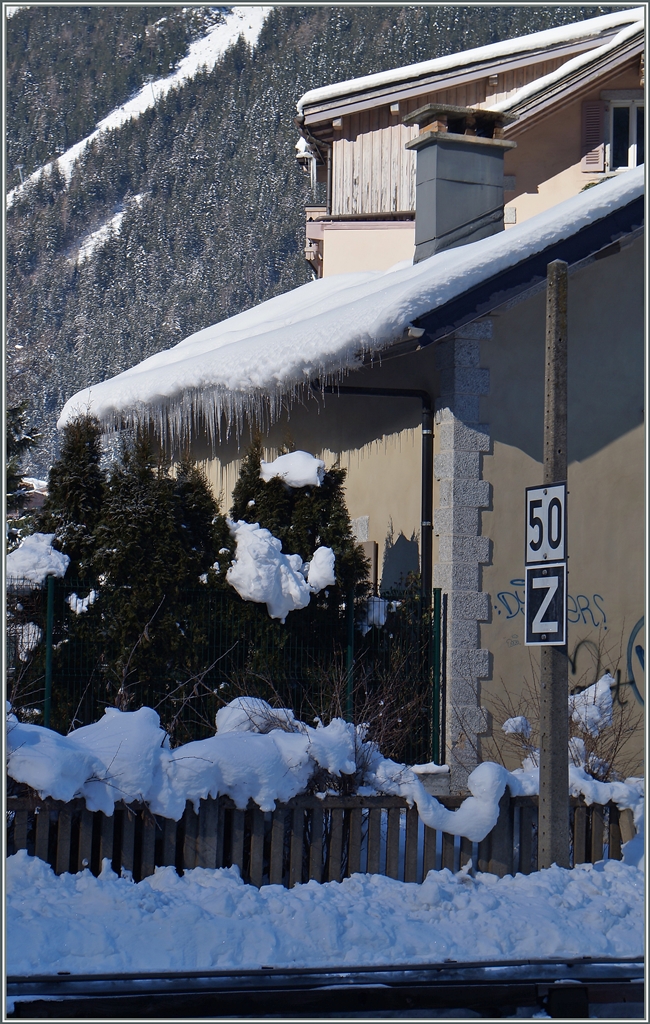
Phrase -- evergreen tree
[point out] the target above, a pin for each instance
(76, 493)
(303, 518)
(18, 444)
(157, 536)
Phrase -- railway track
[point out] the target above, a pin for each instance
(565, 988)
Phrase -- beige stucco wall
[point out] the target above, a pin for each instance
(546, 162)
(366, 246)
(606, 482)
(378, 441)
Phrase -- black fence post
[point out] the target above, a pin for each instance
(435, 696)
(49, 625)
(349, 659)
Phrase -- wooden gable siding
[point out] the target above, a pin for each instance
(373, 172)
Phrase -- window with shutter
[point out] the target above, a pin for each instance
(593, 136)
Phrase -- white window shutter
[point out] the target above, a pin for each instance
(593, 136)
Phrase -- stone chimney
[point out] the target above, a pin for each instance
(459, 186)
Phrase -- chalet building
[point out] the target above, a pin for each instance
(424, 377)
(575, 96)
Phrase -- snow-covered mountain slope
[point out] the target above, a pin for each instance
(204, 53)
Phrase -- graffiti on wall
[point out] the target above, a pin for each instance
(581, 608)
(587, 610)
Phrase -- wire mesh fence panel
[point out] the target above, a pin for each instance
(220, 647)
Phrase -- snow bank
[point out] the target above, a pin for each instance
(263, 357)
(203, 53)
(297, 469)
(211, 920)
(259, 753)
(517, 726)
(35, 559)
(126, 756)
(576, 32)
(592, 709)
(261, 572)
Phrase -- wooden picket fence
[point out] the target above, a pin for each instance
(307, 838)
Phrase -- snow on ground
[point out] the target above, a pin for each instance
(297, 469)
(98, 238)
(204, 53)
(35, 559)
(576, 32)
(261, 572)
(209, 919)
(259, 754)
(323, 328)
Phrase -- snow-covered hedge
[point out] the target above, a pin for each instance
(259, 753)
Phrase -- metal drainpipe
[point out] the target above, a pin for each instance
(426, 525)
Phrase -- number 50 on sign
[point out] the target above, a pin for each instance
(546, 576)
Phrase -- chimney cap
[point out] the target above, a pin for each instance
(431, 111)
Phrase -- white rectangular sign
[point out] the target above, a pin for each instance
(546, 524)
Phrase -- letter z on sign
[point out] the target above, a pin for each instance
(546, 605)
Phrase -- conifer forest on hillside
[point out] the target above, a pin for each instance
(211, 194)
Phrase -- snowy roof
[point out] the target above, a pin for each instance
(570, 67)
(256, 362)
(578, 32)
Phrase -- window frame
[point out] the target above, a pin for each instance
(632, 105)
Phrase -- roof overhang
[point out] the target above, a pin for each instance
(573, 87)
(596, 241)
(319, 114)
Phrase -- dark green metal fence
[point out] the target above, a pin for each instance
(64, 668)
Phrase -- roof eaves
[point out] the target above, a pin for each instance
(365, 97)
(572, 86)
(517, 282)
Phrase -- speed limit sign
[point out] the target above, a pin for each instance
(546, 575)
(546, 524)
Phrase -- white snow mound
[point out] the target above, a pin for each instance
(262, 754)
(297, 469)
(261, 572)
(35, 559)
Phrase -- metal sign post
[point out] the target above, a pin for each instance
(546, 581)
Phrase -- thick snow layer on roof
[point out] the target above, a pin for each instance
(36, 559)
(568, 68)
(259, 754)
(576, 32)
(210, 920)
(203, 53)
(251, 363)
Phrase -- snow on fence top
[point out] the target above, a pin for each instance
(36, 559)
(259, 753)
(251, 363)
(577, 32)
